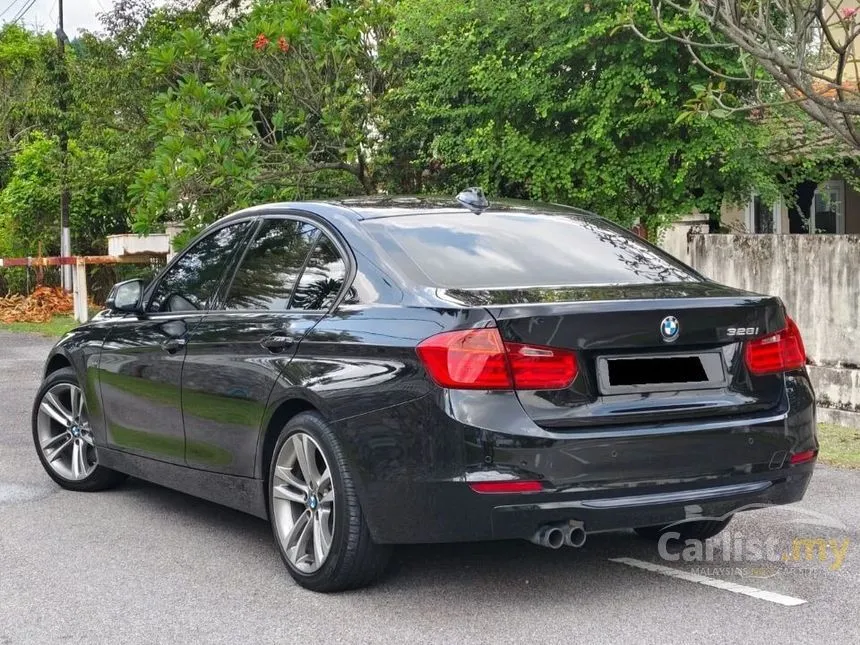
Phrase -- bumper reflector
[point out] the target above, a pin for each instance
(803, 457)
(512, 486)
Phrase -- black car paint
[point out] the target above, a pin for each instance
(227, 380)
(413, 445)
(139, 381)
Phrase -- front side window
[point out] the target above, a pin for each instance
(322, 278)
(265, 279)
(192, 280)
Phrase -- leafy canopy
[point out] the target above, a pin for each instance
(280, 105)
(551, 100)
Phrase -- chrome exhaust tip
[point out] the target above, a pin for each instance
(575, 537)
(549, 536)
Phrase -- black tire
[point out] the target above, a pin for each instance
(354, 559)
(694, 530)
(101, 478)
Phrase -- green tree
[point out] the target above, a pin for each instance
(283, 104)
(30, 202)
(27, 64)
(111, 87)
(553, 101)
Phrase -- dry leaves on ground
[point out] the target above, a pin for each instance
(40, 306)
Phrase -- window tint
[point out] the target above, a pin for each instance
(322, 279)
(268, 273)
(193, 279)
(499, 249)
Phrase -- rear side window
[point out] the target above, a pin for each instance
(267, 275)
(499, 249)
(322, 278)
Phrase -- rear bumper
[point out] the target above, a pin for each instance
(521, 518)
(452, 512)
(415, 462)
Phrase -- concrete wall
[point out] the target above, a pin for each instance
(674, 239)
(818, 278)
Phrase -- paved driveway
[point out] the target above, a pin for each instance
(143, 564)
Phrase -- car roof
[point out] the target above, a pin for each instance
(374, 207)
(381, 206)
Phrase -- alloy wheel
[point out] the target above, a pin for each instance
(303, 502)
(64, 433)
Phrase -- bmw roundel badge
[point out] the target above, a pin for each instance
(670, 328)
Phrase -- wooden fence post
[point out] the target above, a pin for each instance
(82, 313)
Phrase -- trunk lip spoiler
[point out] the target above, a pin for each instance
(639, 304)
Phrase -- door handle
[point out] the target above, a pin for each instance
(173, 345)
(276, 342)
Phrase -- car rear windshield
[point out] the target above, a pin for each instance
(499, 249)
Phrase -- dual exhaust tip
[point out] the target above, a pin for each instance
(555, 536)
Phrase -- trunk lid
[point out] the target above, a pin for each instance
(645, 353)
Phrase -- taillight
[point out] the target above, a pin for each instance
(468, 359)
(778, 352)
(478, 359)
(540, 368)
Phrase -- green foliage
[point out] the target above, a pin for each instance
(281, 105)
(554, 101)
(110, 87)
(192, 109)
(30, 202)
(27, 63)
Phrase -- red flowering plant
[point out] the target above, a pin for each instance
(281, 105)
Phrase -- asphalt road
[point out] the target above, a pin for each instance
(143, 564)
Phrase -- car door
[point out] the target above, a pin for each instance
(237, 352)
(141, 362)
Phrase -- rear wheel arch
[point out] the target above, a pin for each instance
(285, 411)
(353, 559)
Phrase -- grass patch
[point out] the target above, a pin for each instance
(840, 446)
(56, 327)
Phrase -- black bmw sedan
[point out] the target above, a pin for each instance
(370, 372)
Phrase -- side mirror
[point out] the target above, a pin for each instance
(126, 297)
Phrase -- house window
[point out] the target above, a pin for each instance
(827, 211)
(763, 217)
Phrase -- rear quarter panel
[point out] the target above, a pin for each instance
(360, 361)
